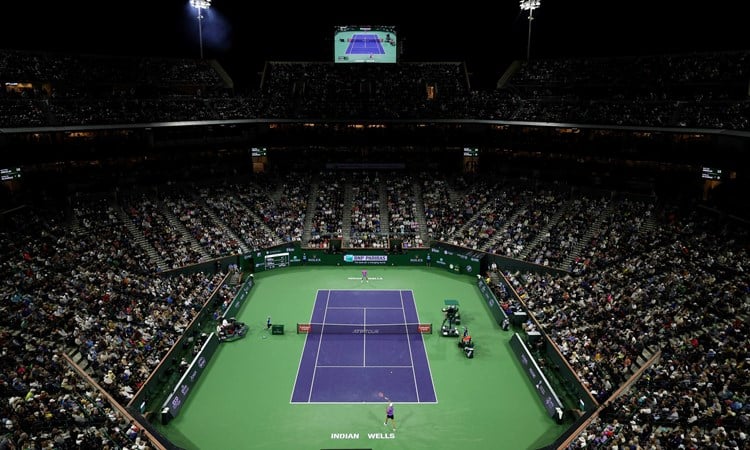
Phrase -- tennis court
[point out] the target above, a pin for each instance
(364, 346)
(243, 398)
(364, 44)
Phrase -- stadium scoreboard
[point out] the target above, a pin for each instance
(10, 174)
(711, 173)
(365, 44)
(276, 260)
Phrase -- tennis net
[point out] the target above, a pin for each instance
(365, 329)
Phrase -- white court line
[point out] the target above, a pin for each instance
(317, 354)
(359, 307)
(364, 341)
(369, 367)
(411, 354)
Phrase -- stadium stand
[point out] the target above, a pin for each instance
(99, 288)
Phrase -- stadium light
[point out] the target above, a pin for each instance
(530, 6)
(200, 5)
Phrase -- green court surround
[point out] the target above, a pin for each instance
(242, 400)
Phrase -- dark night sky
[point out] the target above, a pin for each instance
(486, 38)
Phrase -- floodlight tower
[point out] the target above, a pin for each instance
(200, 5)
(530, 6)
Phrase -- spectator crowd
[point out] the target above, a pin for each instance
(93, 280)
(698, 90)
(89, 282)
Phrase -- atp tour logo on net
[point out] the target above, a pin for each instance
(365, 331)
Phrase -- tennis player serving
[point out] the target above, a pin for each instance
(389, 416)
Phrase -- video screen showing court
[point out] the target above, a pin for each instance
(365, 44)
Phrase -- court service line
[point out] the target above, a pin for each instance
(364, 336)
(368, 367)
(360, 307)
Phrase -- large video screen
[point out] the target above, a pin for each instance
(10, 174)
(358, 44)
(711, 173)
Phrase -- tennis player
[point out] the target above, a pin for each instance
(364, 277)
(389, 416)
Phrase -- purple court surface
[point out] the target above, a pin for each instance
(363, 44)
(364, 347)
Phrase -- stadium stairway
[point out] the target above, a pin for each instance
(312, 202)
(346, 214)
(81, 361)
(225, 228)
(75, 225)
(641, 360)
(502, 232)
(180, 227)
(235, 279)
(141, 240)
(483, 211)
(586, 238)
(453, 194)
(225, 78)
(539, 239)
(494, 278)
(276, 193)
(385, 216)
(255, 218)
(419, 210)
(514, 67)
(649, 224)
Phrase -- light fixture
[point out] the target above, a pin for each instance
(530, 6)
(200, 5)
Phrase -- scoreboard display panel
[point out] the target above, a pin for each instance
(276, 260)
(365, 44)
(10, 174)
